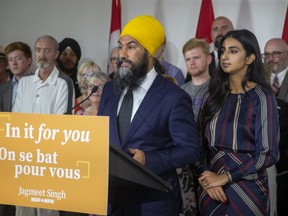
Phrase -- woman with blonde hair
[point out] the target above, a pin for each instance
(86, 67)
(91, 80)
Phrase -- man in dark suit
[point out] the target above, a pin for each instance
(161, 132)
(276, 62)
(220, 26)
(282, 164)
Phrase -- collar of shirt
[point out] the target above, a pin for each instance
(147, 82)
(216, 57)
(14, 81)
(51, 79)
(280, 76)
(141, 92)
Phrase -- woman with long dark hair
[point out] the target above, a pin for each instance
(239, 131)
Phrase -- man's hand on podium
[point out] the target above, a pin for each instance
(139, 155)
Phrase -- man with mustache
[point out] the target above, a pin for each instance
(48, 91)
(276, 62)
(161, 133)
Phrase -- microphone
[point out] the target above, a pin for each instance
(93, 90)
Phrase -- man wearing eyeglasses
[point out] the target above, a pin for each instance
(276, 61)
(113, 63)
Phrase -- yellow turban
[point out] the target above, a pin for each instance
(147, 30)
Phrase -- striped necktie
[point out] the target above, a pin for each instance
(275, 85)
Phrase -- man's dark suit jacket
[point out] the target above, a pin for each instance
(282, 164)
(282, 102)
(283, 91)
(6, 90)
(164, 128)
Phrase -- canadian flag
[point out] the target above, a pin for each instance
(115, 27)
(285, 29)
(205, 20)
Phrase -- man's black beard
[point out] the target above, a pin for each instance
(133, 77)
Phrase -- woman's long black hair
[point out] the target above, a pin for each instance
(219, 83)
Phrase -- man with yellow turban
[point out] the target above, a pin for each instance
(151, 119)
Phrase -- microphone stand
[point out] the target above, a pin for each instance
(93, 90)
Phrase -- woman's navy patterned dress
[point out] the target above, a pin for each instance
(242, 141)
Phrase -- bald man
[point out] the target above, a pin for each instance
(161, 133)
(220, 26)
(276, 61)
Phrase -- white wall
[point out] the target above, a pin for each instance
(88, 21)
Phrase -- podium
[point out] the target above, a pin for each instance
(125, 172)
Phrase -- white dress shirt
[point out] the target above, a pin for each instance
(280, 76)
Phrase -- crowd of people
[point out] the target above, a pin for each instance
(218, 137)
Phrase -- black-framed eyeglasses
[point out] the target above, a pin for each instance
(100, 87)
(275, 54)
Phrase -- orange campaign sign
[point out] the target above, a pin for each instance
(54, 161)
